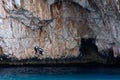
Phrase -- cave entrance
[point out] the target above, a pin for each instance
(88, 46)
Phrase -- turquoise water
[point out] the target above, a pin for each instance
(59, 73)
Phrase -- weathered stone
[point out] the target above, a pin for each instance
(1, 51)
(73, 20)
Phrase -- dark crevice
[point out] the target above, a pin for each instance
(93, 5)
(1, 50)
(90, 52)
(109, 54)
(88, 46)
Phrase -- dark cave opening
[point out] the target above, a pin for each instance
(89, 51)
(88, 46)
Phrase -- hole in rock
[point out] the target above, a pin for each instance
(88, 46)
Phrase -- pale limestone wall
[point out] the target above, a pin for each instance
(18, 41)
(73, 20)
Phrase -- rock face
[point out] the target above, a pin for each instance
(59, 27)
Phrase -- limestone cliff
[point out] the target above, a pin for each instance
(63, 28)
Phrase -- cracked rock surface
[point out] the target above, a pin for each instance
(58, 26)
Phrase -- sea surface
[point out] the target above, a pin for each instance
(59, 73)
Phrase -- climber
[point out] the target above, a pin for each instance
(38, 49)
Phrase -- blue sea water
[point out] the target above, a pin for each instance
(59, 73)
